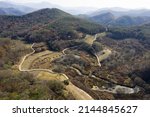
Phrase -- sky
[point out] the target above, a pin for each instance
(132, 4)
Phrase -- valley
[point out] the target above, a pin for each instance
(51, 54)
(36, 62)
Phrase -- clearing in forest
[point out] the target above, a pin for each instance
(104, 54)
(39, 58)
(89, 39)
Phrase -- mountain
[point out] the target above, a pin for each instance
(21, 8)
(137, 32)
(46, 24)
(139, 12)
(129, 21)
(111, 20)
(124, 51)
(103, 18)
(45, 15)
(10, 11)
(120, 16)
(115, 12)
(74, 11)
(118, 12)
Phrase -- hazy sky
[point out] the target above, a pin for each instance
(95, 3)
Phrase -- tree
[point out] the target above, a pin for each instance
(97, 46)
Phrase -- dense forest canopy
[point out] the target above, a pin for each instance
(52, 23)
(138, 32)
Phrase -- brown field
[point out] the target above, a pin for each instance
(50, 76)
(104, 54)
(45, 60)
(44, 74)
(89, 39)
(38, 59)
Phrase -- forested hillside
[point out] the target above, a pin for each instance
(109, 19)
(66, 54)
(131, 58)
(138, 32)
(52, 23)
(16, 85)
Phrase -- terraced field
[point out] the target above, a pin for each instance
(40, 59)
(47, 74)
(45, 60)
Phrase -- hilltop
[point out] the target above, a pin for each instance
(103, 18)
(10, 11)
(109, 19)
(47, 22)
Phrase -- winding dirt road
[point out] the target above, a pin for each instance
(78, 93)
(117, 88)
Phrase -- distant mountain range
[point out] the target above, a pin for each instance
(18, 7)
(120, 16)
(105, 16)
(71, 10)
(30, 7)
(130, 21)
(118, 12)
(110, 20)
(10, 11)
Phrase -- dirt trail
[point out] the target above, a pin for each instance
(78, 93)
(104, 54)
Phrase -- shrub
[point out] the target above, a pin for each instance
(66, 82)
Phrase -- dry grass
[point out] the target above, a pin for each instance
(78, 93)
(104, 54)
(39, 58)
(89, 39)
(50, 76)
(101, 34)
(45, 60)
(48, 56)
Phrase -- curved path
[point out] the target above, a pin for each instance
(78, 93)
(104, 56)
(63, 51)
(98, 60)
(25, 57)
(116, 88)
